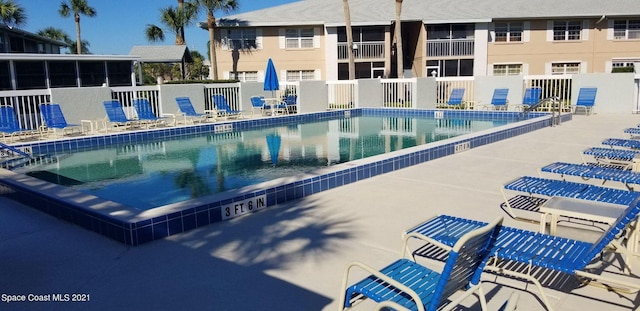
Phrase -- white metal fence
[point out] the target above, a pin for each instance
(230, 91)
(343, 94)
(26, 104)
(127, 94)
(446, 84)
(555, 87)
(399, 93)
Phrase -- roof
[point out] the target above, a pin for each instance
(22, 33)
(382, 12)
(162, 53)
(81, 57)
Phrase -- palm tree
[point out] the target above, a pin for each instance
(211, 6)
(11, 13)
(347, 18)
(77, 7)
(55, 34)
(175, 19)
(398, 35)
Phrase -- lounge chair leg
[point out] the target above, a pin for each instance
(492, 266)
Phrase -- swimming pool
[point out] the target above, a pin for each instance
(135, 226)
(187, 167)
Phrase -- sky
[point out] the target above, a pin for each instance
(120, 24)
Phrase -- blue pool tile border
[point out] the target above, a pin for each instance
(144, 230)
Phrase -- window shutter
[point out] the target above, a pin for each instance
(260, 76)
(608, 66)
(259, 39)
(316, 37)
(526, 31)
(226, 75)
(549, 30)
(548, 68)
(224, 40)
(317, 74)
(281, 38)
(609, 31)
(585, 30)
(525, 69)
(583, 67)
(490, 70)
(283, 75)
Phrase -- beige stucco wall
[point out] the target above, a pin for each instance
(538, 52)
(284, 59)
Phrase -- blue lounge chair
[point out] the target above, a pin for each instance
(190, 114)
(412, 286)
(54, 120)
(10, 126)
(291, 103)
(499, 100)
(634, 132)
(588, 171)
(116, 118)
(622, 158)
(560, 188)
(223, 108)
(619, 142)
(257, 103)
(455, 99)
(586, 100)
(145, 113)
(518, 249)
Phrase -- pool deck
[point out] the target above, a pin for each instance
(292, 257)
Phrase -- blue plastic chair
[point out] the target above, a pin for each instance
(145, 112)
(586, 100)
(455, 99)
(116, 116)
(186, 109)
(54, 119)
(291, 103)
(595, 171)
(610, 156)
(257, 103)
(9, 124)
(223, 108)
(410, 285)
(531, 96)
(516, 248)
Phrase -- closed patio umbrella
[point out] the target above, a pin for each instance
(271, 78)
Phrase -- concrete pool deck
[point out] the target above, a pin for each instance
(292, 257)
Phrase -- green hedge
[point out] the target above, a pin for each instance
(623, 69)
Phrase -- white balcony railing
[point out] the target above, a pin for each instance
(450, 47)
(362, 50)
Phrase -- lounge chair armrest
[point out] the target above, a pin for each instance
(378, 274)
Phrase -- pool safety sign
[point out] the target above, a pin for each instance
(243, 207)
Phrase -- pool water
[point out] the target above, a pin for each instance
(160, 172)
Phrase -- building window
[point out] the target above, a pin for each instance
(245, 76)
(565, 68)
(62, 74)
(626, 29)
(299, 75)
(508, 32)
(507, 69)
(452, 67)
(119, 73)
(91, 73)
(566, 30)
(5, 76)
(30, 75)
(299, 38)
(242, 39)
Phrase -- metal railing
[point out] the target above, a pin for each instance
(450, 47)
(26, 104)
(399, 93)
(231, 91)
(126, 94)
(444, 86)
(343, 94)
(362, 50)
(556, 87)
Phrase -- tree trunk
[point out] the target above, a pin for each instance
(79, 40)
(347, 18)
(211, 22)
(398, 35)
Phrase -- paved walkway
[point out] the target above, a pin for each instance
(292, 257)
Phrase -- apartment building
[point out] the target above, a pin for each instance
(307, 39)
